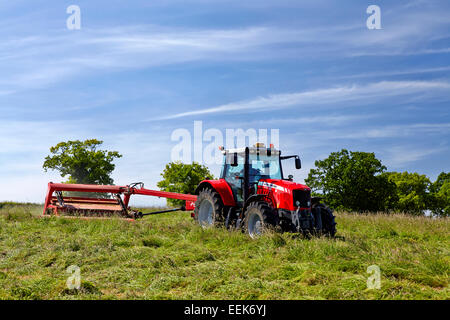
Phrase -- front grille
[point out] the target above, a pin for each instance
(303, 197)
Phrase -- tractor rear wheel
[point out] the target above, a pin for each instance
(259, 217)
(328, 219)
(208, 208)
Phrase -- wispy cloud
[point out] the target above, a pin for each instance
(329, 119)
(386, 131)
(22, 155)
(400, 52)
(37, 61)
(399, 156)
(396, 72)
(41, 59)
(320, 96)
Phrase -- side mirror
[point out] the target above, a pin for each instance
(234, 160)
(290, 177)
(298, 163)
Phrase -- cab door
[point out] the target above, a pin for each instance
(234, 176)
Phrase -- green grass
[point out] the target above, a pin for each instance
(169, 257)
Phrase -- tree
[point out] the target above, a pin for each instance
(82, 162)
(442, 178)
(182, 178)
(443, 200)
(413, 191)
(441, 194)
(352, 181)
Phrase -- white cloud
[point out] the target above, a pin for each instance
(25, 187)
(37, 136)
(383, 132)
(363, 94)
(330, 120)
(37, 61)
(25, 144)
(395, 73)
(399, 156)
(43, 59)
(400, 52)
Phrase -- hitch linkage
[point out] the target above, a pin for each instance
(139, 214)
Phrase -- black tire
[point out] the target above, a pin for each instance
(208, 208)
(259, 217)
(328, 219)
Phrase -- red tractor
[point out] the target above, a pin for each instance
(253, 194)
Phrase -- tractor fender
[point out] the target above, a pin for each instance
(253, 198)
(221, 187)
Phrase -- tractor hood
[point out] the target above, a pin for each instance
(285, 193)
(282, 185)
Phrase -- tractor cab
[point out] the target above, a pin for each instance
(244, 168)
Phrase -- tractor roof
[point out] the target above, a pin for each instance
(257, 148)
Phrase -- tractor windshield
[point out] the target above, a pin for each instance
(264, 167)
(261, 166)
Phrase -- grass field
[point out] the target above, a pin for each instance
(169, 257)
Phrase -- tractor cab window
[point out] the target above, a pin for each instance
(261, 166)
(264, 167)
(234, 175)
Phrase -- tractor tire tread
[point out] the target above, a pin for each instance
(267, 212)
(215, 199)
(328, 220)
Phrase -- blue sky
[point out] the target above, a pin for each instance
(138, 70)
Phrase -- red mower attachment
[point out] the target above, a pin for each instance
(56, 203)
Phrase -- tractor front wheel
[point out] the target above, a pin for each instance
(259, 217)
(208, 208)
